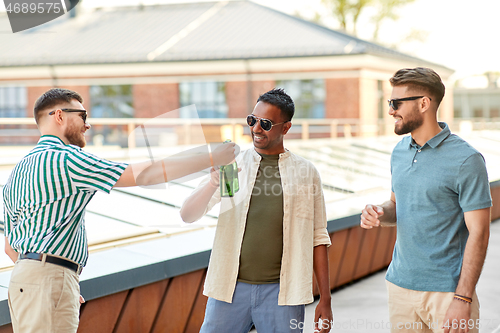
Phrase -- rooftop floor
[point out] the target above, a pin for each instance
(362, 306)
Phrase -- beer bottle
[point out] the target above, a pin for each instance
(228, 176)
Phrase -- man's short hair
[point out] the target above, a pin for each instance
(279, 98)
(53, 97)
(421, 79)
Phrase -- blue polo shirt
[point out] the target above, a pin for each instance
(434, 185)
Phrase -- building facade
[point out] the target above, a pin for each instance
(148, 61)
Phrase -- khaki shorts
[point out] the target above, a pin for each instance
(423, 311)
(43, 297)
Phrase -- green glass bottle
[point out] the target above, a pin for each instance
(228, 179)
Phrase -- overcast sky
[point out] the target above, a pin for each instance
(460, 34)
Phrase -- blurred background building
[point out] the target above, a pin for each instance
(478, 97)
(147, 61)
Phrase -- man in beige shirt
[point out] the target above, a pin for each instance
(271, 236)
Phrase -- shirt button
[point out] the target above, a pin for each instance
(419, 150)
(414, 161)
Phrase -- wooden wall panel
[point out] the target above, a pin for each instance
(176, 307)
(365, 257)
(100, 315)
(381, 248)
(140, 310)
(198, 313)
(350, 256)
(6, 329)
(336, 253)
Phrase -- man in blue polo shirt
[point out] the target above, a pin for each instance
(440, 202)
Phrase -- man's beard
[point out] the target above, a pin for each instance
(410, 123)
(75, 137)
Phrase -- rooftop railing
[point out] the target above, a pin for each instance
(185, 131)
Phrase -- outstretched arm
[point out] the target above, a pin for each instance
(177, 166)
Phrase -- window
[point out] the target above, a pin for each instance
(495, 113)
(111, 101)
(477, 113)
(495, 104)
(308, 96)
(477, 103)
(459, 110)
(13, 101)
(208, 97)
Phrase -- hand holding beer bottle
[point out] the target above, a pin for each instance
(228, 179)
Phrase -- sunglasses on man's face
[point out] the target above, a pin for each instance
(394, 103)
(266, 124)
(84, 115)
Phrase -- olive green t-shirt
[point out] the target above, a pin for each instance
(262, 246)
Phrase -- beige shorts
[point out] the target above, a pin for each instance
(424, 311)
(43, 297)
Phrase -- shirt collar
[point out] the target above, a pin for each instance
(257, 156)
(50, 139)
(436, 140)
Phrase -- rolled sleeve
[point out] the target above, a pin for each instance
(321, 236)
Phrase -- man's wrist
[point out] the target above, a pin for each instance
(325, 298)
(463, 299)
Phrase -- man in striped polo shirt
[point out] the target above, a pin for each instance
(44, 203)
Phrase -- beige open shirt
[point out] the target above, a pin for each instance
(304, 227)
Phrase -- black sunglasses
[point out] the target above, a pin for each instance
(266, 124)
(394, 103)
(84, 115)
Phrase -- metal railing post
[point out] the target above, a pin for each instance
(131, 135)
(305, 130)
(334, 129)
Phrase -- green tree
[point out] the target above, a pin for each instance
(347, 12)
(386, 9)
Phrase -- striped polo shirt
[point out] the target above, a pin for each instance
(46, 195)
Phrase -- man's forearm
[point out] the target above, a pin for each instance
(323, 316)
(196, 204)
(389, 217)
(474, 255)
(186, 163)
(478, 224)
(175, 167)
(321, 271)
